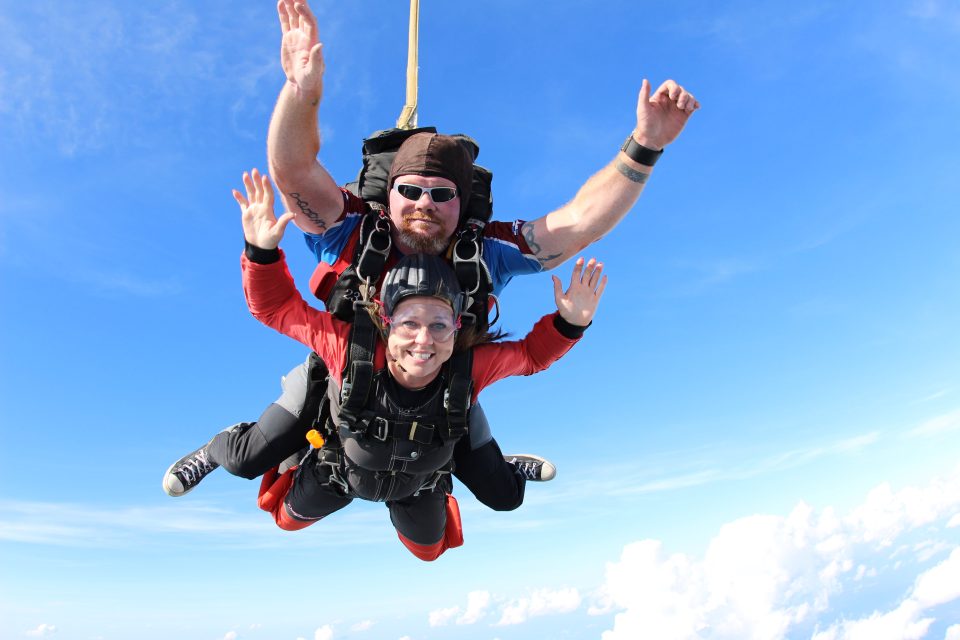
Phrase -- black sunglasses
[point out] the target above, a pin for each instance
(437, 194)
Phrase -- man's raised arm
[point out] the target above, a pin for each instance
(293, 140)
(610, 193)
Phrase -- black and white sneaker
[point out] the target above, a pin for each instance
(532, 467)
(187, 472)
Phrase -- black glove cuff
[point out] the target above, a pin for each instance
(567, 330)
(261, 256)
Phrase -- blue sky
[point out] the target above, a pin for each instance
(758, 438)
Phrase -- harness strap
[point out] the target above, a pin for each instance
(472, 274)
(374, 249)
(358, 376)
(457, 398)
(459, 394)
(332, 458)
(382, 428)
(316, 407)
(359, 267)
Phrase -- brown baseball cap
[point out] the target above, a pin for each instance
(434, 154)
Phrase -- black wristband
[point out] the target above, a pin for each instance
(567, 330)
(259, 255)
(639, 153)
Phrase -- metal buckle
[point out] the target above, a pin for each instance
(471, 258)
(368, 266)
(432, 483)
(381, 430)
(331, 459)
(382, 225)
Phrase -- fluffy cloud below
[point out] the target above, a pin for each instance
(538, 602)
(769, 577)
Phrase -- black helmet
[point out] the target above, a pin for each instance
(420, 274)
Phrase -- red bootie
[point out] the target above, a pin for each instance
(452, 535)
(273, 490)
(426, 552)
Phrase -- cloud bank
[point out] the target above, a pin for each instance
(813, 574)
(771, 577)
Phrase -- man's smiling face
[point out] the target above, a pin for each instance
(422, 225)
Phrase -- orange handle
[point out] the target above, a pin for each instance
(314, 438)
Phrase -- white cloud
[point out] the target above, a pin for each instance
(940, 584)
(540, 603)
(864, 572)
(80, 525)
(650, 477)
(762, 576)
(42, 631)
(935, 395)
(928, 549)
(898, 624)
(885, 514)
(364, 625)
(230, 635)
(937, 425)
(323, 633)
(935, 586)
(477, 604)
(953, 632)
(441, 617)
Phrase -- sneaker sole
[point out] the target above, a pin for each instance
(169, 491)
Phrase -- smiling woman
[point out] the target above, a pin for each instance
(397, 405)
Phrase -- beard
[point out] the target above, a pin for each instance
(420, 243)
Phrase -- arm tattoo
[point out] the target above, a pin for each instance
(528, 235)
(632, 174)
(304, 207)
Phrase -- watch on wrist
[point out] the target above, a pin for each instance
(639, 153)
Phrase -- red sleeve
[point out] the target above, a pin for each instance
(274, 300)
(543, 346)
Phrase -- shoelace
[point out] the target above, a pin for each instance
(193, 470)
(527, 469)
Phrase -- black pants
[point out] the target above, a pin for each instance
(420, 518)
(252, 449)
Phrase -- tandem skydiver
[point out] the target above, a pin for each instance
(429, 190)
(410, 376)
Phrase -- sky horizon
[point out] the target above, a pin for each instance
(759, 436)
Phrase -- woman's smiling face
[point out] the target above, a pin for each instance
(420, 340)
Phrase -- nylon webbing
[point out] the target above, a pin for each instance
(358, 376)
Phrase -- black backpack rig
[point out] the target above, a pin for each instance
(349, 288)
